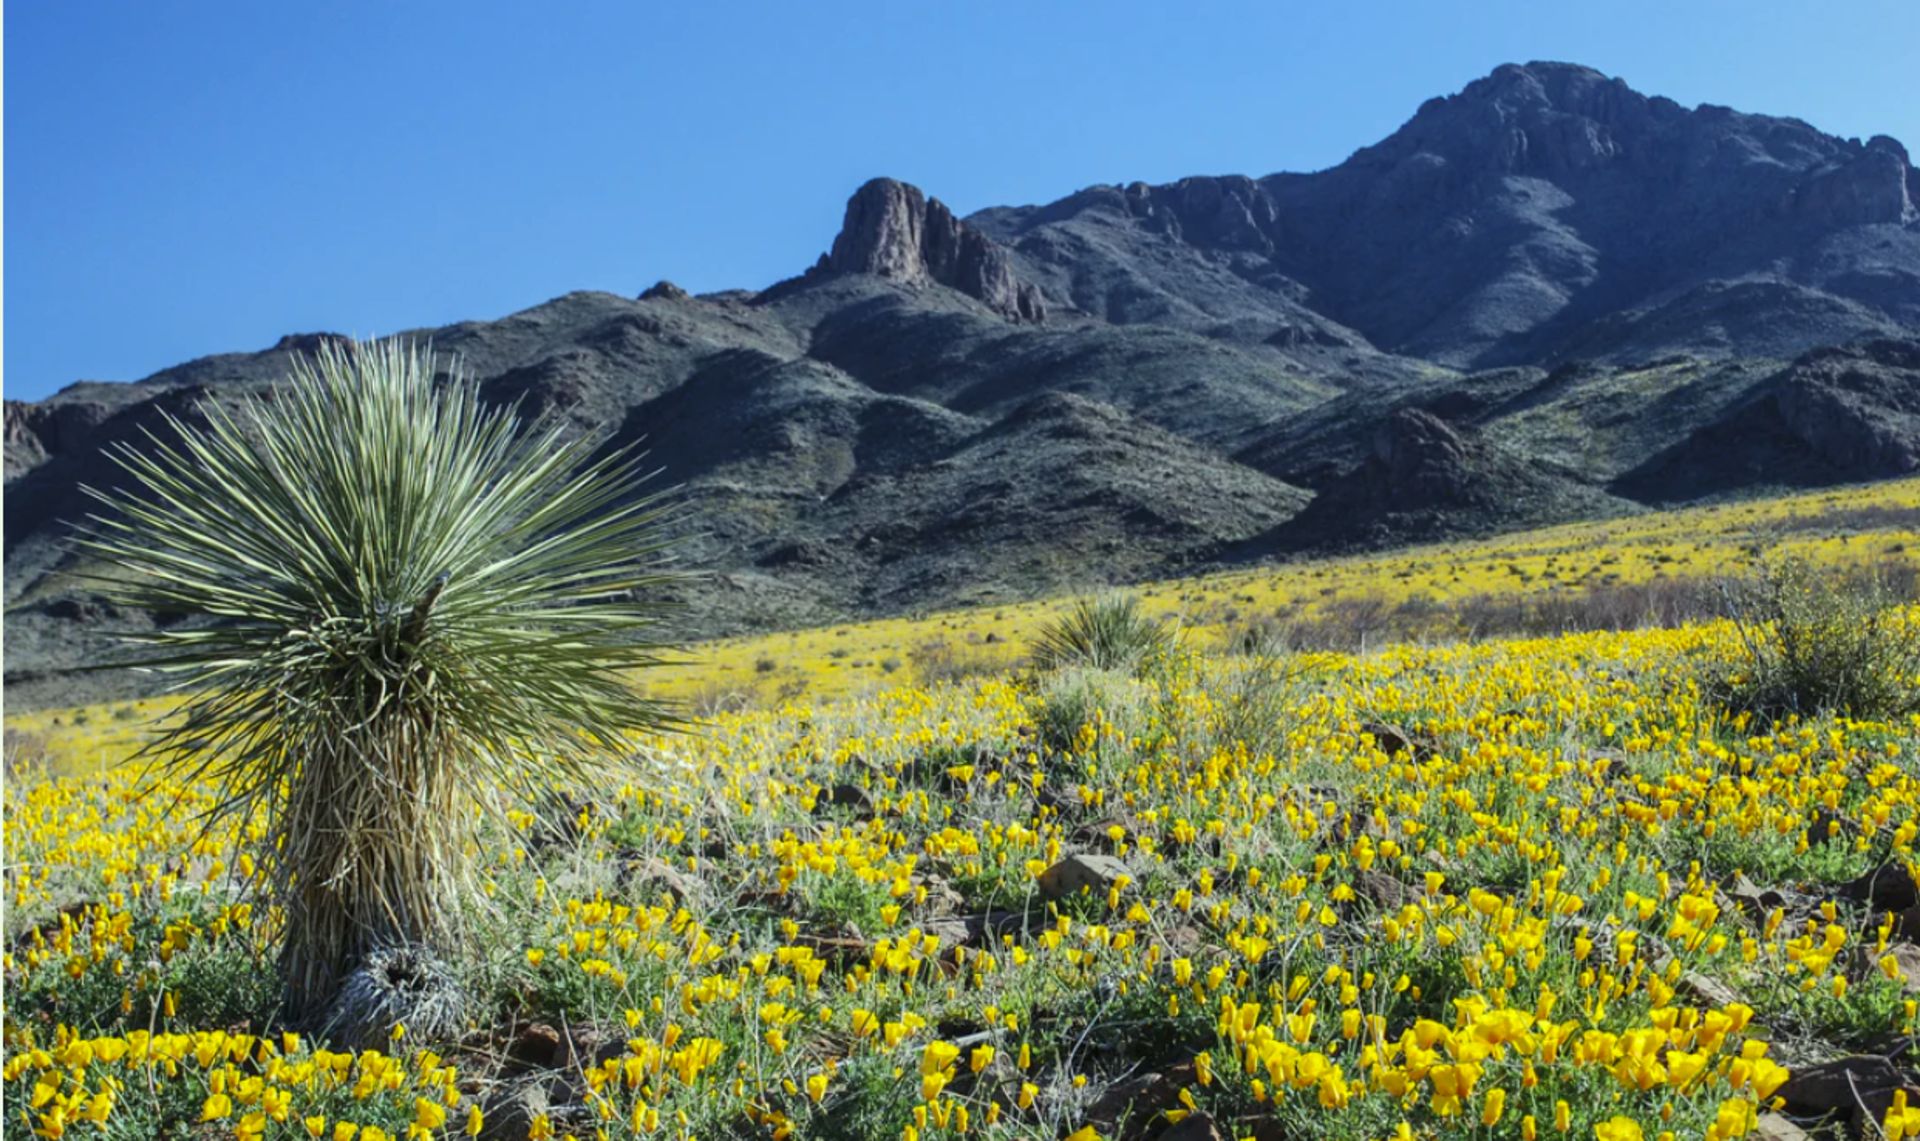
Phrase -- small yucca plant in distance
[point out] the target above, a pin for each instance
(1107, 633)
(413, 599)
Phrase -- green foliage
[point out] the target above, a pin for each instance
(1816, 641)
(1072, 699)
(409, 597)
(1110, 633)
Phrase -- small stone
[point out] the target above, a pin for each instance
(1706, 990)
(1069, 876)
(840, 947)
(1387, 893)
(535, 1047)
(1393, 740)
(508, 1113)
(845, 795)
(1137, 1100)
(1193, 1127)
(1826, 827)
(1774, 1127)
(1906, 958)
(942, 899)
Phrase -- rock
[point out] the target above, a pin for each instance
(1393, 740)
(1870, 189)
(534, 1047)
(1069, 876)
(1139, 1100)
(941, 899)
(1421, 459)
(1387, 893)
(1889, 887)
(1099, 833)
(1906, 959)
(1826, 827)
(589, 1045)
(508, 1112)
(845, 795)
(1193, 1127)
(984, 930)
(893, 230)
(1705, 990)
(1756, 901)
(1861, 1082)
(841, 947)
(1774, 1127)
(311, 343)
(664, 290)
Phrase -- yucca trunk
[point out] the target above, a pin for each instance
(369, 849)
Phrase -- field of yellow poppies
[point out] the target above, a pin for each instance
(1507, 887)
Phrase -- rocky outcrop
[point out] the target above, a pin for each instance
(1426, 479)
(1834, 415)
(894, 231)
(1857, 407)
(36, 432)
(1418, 460)
(664, 290)
(311, 342)
(1866, 189)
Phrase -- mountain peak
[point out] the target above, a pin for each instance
(1546, 82)
(894, 230)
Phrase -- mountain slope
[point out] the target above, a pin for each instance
(1498, 223)
(1545, 297)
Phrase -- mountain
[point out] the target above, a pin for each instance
(1545, 297)
(1545, 212)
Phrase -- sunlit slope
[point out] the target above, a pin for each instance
(1846, 525)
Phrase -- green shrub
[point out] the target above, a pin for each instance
(1817, 640)
(1073, 698)
(1110, 633)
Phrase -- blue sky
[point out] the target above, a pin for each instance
(192, 177)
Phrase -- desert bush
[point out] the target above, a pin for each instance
(413, 598)
(1070, 699)
(1109, 633)
(940, 661)
(1813, 640)
(1253, 697)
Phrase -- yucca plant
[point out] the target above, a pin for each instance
(1108, 633)
(410, 599)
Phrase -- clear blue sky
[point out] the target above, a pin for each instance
(192, 176)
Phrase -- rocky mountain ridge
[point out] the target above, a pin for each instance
(1545, 297)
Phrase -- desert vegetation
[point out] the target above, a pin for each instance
(1628, 862)
(414, 603)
